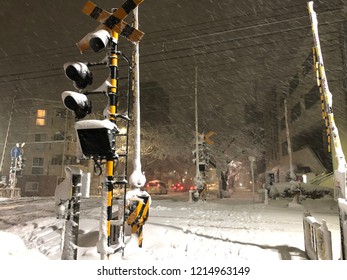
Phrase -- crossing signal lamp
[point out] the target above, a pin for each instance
(79, 73)
(78, 103)
(202, 167)
(99, 40)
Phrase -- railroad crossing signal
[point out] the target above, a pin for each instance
(97, 138)
(207, 137)
(111, 22)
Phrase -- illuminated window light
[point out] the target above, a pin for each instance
(40, 117)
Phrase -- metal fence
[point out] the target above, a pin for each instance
(318, 245)
(10, 192)
(343, 226)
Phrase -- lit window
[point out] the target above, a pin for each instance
(40, 117)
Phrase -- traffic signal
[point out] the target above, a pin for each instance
(203, 153)
(79, 73)
(78, 103)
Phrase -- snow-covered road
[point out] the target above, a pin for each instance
(228, 229)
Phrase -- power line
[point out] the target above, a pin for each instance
(194, 31)
(186, 49)
(199, 54)
(188, 67)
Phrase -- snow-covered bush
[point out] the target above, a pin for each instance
(289, 189)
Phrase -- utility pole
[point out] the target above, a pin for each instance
(197, 174)
(7, 133)
(137, 178)
(289, 144)
(198, 180)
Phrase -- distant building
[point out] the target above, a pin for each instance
(46, 128)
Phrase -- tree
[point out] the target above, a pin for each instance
(162, 149)
(229, 153)
(244, 142)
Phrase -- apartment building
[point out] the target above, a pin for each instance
(47, 129)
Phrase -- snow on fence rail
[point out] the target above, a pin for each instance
(317, 239)
(343, 226)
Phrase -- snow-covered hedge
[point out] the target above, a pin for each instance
(289, 189)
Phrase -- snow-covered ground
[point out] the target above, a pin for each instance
(232, 230)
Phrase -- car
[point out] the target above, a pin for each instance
(179, 187)
(156, 187)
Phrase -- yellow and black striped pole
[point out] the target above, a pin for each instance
(322, 97)
(138, 217)
(340, 166)
(112, 93)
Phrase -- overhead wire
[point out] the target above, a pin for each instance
(163, 60)
(144, 62)
(210, 69)
(158, 41)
